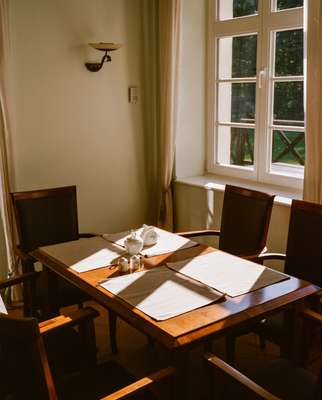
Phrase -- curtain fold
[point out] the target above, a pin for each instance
(6, 165)
(150, 100)
(313, 159)
(169, 54)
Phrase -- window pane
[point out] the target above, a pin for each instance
(229, 9)
(235, 146)
(236, 102)
(237, 57)
(285, 4)
(289, 53)
(288, 103)
(288, 147)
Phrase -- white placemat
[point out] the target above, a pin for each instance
(3, 309)
(227, 273)
(161, 293)
(85, 254)
(167, 242)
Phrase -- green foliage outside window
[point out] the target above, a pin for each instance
(244, 7)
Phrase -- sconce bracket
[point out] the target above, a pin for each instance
(94, 67)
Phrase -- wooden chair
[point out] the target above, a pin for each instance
(303, 259)
(42, 361)
(244, 222)
(24, 345)
(279, 380)
(45, 217)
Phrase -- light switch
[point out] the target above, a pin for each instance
(133, 94)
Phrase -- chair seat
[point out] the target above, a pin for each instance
(99, 382)
(287, 382)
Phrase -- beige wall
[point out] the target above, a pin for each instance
(74, 126)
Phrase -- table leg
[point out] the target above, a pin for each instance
(112, 319)
(291, 347)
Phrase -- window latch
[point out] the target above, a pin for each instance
(261, 76)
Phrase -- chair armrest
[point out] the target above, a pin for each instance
(22, 255)
(206, 232)
(252, 257)
(18, 279)
(141, 384)
(239, 377)
(87, 235)
(271, 256)
(75, 318)
(312, 316)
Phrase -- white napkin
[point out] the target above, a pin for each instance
(3, 309)
(227, 273)
(85, 254)
(167, 242)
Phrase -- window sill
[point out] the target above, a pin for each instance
(214, 182)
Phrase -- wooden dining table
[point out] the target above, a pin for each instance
(181, 333)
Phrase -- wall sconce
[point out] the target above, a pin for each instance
(94, 67)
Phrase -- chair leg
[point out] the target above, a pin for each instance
(230, 348)
(209, 374)
(150, 341)
(29, 292)
(208, 346)
(88, 339)
(27, 301)
(262, 342)
(112, 327)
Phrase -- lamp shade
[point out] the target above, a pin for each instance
(105, 46)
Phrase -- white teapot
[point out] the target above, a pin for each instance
(149, 235)
(133, 244)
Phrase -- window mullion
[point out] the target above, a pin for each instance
(262, 113)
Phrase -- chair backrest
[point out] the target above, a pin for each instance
(304, 244)
(45, 217)
(24, 365)
(245, 220)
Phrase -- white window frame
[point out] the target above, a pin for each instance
(264, 24)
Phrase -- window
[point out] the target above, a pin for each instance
(256, 126)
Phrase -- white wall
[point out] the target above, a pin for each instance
(74, 126)
(190, 140)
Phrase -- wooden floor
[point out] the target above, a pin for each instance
(139, 357)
